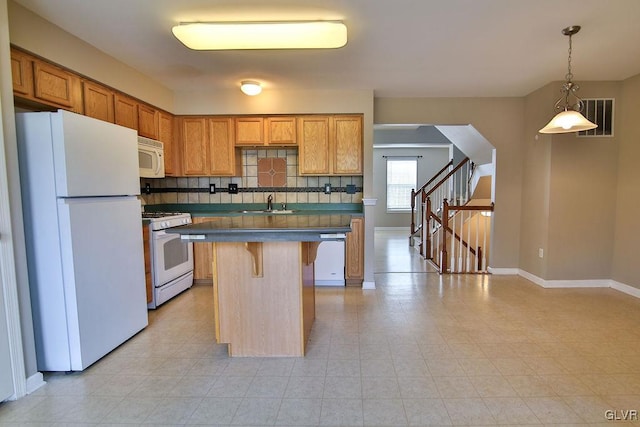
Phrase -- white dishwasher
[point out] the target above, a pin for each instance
(329, 264)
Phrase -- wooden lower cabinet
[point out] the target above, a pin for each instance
(203, 255)
(354, 253)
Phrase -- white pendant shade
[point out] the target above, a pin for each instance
(568, 121)
(262, 35)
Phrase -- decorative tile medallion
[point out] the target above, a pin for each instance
(272, 172)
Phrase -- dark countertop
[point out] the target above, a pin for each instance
(266, 228)
(235, 209)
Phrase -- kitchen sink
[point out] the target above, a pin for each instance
(267, 212)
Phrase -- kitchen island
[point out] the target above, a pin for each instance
(263, 288)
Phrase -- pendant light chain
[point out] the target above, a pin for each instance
(569, 76)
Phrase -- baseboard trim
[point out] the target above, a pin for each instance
(34, 382)
(627, 289)
(503, 271)
(368, 285)
(598, 283)
(404, 229)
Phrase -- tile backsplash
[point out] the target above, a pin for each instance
(253, 188)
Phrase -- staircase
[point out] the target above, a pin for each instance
(453, 215)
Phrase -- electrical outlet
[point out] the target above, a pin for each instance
(327, 188)
(233, 188)
(540, 253)
(147, 188)
(212, 189)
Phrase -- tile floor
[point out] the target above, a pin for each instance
(419, 350)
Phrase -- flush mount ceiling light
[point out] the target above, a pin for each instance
(262, 35)
(569, 118)
(250, 87)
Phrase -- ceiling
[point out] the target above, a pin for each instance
(396, 48)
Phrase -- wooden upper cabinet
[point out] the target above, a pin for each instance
(347, 145)
(224, 158)
(354, 253)
(56, 86)
(249, 131)
(126, 111)
(280, 131)
(313, 140)
(208, 146)
(276, 131)
(22, 73)
(98, 101)
(195, 146)
(148, 121)
(330, 145)
(165, 135)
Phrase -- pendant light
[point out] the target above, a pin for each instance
(569, 119)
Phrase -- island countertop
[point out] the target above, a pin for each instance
(266, 228)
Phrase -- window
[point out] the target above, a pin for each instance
(600, 112)
(402, 176)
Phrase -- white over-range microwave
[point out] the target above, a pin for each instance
(150, 158)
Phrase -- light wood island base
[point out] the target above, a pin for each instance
(264, 296)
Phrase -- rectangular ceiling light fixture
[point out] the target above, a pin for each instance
(262, 35)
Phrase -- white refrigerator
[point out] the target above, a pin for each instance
(79, 181)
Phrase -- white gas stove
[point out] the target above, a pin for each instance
(171, 259)
(163, 220)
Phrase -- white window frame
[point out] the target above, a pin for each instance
(403, 209)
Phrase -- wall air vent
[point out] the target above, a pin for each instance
(600, 112)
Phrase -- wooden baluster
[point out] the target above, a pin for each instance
(426, 230)
(445, 224)
(479, 256)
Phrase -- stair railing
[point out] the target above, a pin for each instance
(418, 198)
(458, 242)
(452, 233)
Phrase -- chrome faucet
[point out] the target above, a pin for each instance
(270, 202)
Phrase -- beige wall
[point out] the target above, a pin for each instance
(501, 121)
(536, 175)
(626, 268)
(32, 33)
(568, 193)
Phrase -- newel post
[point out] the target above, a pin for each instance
(413, 218)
